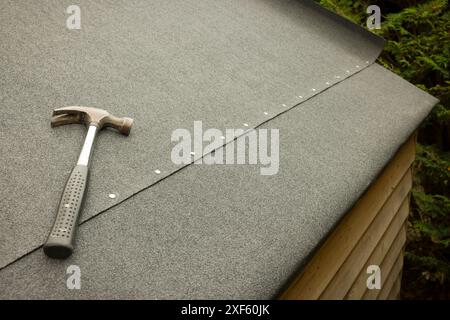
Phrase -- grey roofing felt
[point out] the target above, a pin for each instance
(204, 231)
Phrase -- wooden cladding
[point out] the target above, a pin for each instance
(373, 232)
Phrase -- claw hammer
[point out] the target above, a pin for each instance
(60, 241)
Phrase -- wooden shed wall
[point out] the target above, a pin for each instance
(373, 232)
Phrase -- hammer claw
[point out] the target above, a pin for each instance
(62, 119)
(68, 110)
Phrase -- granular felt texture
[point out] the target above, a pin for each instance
(226, 231)
(165, 64)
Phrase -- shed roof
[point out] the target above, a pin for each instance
(197, 231)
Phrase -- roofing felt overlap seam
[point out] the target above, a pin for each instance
(158, 172)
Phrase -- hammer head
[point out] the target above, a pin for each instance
(90, 116)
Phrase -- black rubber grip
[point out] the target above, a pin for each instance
(60, 242)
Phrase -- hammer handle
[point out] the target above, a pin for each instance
(60, 242)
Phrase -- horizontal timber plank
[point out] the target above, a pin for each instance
(395, 291)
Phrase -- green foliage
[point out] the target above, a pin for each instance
(418, 49)
(433, 212)
(432, 169)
